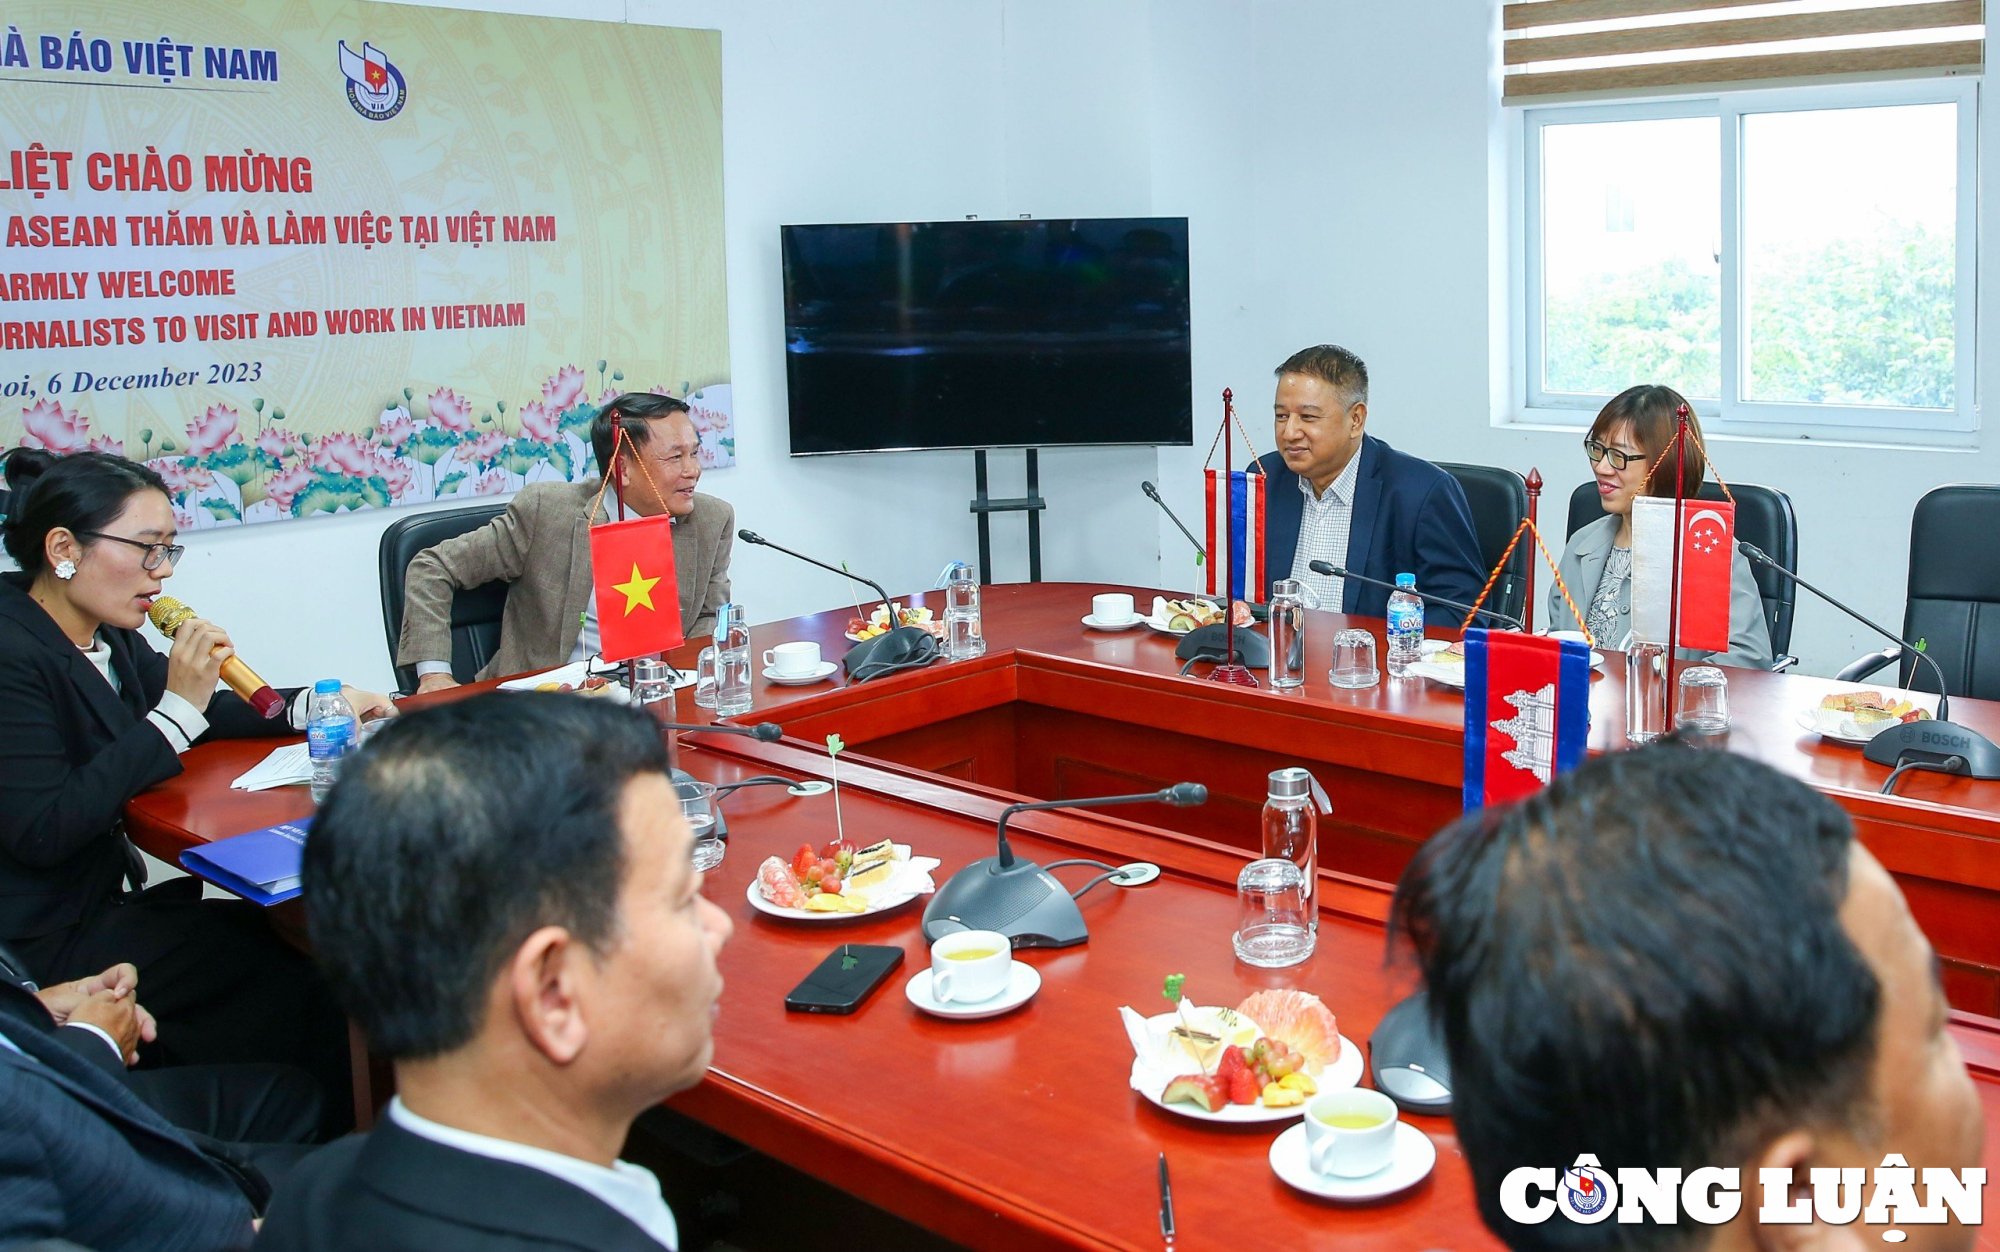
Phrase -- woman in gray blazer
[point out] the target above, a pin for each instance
(1628, 436)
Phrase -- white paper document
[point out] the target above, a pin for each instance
(284, 767)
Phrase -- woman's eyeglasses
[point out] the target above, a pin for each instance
(1600, 452)
(157, 554)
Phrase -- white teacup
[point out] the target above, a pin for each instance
(970, 966)
(1113, 609)
(792, 659)
(1350, 1134)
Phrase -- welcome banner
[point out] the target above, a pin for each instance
(332, 254)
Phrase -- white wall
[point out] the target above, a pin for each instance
(1344, 165)
(1360, 179)
(891, 110)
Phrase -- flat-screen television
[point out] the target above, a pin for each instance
(1000, 334)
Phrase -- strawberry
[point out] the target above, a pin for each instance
(1231, 1065)
(803, 860)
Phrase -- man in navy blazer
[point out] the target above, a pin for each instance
(82, 1159)
(1338, 494)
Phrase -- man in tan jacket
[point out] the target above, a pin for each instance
(541, 545)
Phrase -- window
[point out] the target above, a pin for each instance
(1799, 256)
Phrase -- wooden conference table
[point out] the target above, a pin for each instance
(1020, 1131)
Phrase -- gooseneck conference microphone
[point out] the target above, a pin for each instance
(1334, 571)
(900, 648)
(1940, 744)
(1021, 899)
(168, 615)
(763, 732)
(1153, 494)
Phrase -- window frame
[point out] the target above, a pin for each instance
(1732, 413)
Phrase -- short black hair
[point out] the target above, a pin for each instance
(1333, 365)
(635, 411)
(1643, 961)
(79, 492)
(457, 832)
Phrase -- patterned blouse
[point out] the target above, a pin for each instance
(1614, 590)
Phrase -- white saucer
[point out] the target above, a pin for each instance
(1095, 622)
(1023, 981)
(1411, 1162)
(818, 673)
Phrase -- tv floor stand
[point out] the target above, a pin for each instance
(984, 506)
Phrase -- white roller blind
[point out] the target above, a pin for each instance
(1575, 48)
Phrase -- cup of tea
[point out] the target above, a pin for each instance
(1351, 1133)
(792, 660)
(1113, 609)
(970, 966)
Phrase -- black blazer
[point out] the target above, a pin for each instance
(86, 1161)
(72, 752)
(390, 1190)
(1410, 517)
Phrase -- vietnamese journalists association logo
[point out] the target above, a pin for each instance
(375, 86)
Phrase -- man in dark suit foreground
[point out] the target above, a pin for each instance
(1338, 494)
(1675, 959)
(503, 895)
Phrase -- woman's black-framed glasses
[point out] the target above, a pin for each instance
(157, 554)
(1619, 460)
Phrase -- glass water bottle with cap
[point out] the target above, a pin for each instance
(732, 661)
(964, 638)
(1288, 621)
(1291, 828)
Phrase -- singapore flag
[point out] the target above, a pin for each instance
(1708, 561)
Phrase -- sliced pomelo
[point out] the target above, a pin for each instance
(1301, 1020)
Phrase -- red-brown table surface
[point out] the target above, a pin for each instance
(1020, 1131)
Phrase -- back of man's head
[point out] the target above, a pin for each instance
(1333, 365)
(460, 831)
(1644, 962)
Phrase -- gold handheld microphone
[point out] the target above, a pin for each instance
(168, 615)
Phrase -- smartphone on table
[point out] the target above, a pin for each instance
(848, 975)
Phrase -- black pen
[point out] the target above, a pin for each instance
(1166, 1202)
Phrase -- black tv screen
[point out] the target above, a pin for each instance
(1001, 334)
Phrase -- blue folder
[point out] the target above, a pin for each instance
(261, 866)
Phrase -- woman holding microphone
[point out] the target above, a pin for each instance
(1632, 433)
(91, 715)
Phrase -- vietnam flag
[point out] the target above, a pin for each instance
(1707, 530)
(638, 594)
(1527, 713)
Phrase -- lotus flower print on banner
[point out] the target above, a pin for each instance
(227, 466)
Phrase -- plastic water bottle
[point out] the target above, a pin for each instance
(1292, 806)
(331, 729)
(1288, 620)
(1406, 626)
(963, 637)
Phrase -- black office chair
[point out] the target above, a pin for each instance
(1764, 517)
(475, 612)
(1953, 606)
(1499, 500)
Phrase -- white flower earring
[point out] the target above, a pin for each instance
(65, 570)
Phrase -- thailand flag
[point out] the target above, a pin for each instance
(1236, 505)
(1527, 713)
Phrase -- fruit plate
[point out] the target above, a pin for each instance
(911, 879)
(1151, 1082)
(1157, 619)
(920, 617)
(1452, 673)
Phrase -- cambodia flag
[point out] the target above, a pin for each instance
(1707, 530)
(638, 594)
(1237, 503)
(1527, 713)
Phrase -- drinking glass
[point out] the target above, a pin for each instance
(698, 807)
(1273, 923)
(1704, 703)
(704, 679)
(1645, 692)
(1354, 660)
